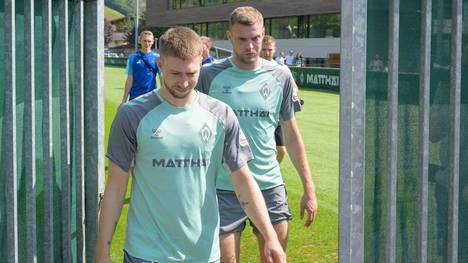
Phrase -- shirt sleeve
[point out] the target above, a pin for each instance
(287, 104)
(203, 81)
(129, 69)
(237, 151)
(122, 140)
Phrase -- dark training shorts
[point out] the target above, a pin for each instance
(233, 218)
(279, 136)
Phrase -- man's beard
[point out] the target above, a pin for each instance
(174, 92)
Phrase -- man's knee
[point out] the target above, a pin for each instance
(282, 231)
(229, 245)
(228, 259)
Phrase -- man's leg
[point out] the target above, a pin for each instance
(230, 247)
(276, 200)
(232, 222)
(281, 229)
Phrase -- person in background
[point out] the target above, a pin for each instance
(174, 140)
(280, 58)
(141, 69)
(261, 93)
(207, 43)
(268, 50)
(300, 62)
(289, 59)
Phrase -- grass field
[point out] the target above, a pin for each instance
(319, 127)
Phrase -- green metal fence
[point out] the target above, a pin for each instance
(51, 129)
(404, 131)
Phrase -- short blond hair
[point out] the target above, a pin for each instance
(267, 39)
(245, 15)
(180, 42)
(207, 40)
(145, 33)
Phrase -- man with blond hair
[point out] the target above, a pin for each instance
(174, 140)
(268, 48)
(268, 51)
(261, 94)
(207, 44)
(141, 69)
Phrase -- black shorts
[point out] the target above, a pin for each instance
(279, 136)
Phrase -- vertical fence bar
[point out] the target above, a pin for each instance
(392, 139)
(79, 126)
(9, 133)
(64, 131)
(94, 114)
(424, 83)
(48, 174)
(352, 130)
(29, 131)
(454, 138)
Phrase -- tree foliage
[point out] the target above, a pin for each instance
(108, 30)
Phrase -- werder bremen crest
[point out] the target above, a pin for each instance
(265, 91)
(205, 133)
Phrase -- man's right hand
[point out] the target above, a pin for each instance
(274, 252)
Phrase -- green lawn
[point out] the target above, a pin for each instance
(319, 127)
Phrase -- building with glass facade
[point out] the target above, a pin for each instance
(293, 23)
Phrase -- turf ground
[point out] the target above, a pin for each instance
(319, 127)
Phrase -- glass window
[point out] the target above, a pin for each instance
(217, 30)
(211, 2)
(267, 24)
(302, 26)
(233, 1)
(200, 29)
(189, 3)
(177, 4)
(284, 27)
(174, 4)
(324, 26)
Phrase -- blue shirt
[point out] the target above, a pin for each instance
(144, 80)
(209, 59)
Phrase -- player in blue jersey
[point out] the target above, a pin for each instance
(261, 94)
(174, 140)
(141, 69)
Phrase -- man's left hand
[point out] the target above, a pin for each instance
(309, 204)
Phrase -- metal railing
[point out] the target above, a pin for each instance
(357, 90)
(51, 130)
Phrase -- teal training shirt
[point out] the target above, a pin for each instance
(177, 153)
(258, 97)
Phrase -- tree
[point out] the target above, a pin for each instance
(108, 31)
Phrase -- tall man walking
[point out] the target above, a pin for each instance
(261, 94)
(141, 69)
